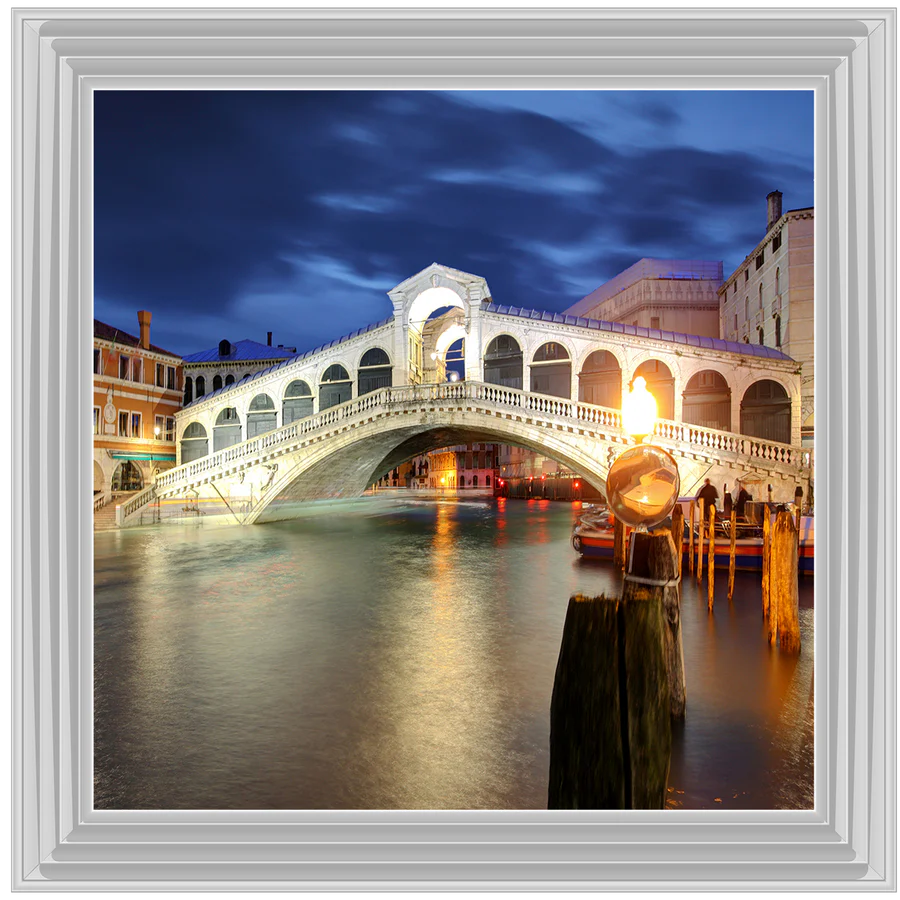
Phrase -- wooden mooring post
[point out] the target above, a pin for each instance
(701, 523)
(784, 589)
(731, 554)
(619, 544)
(619, 680)
(711, 576)
(678, 534)
(766, 560)
(691, 538)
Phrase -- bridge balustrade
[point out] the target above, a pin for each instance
(574, 412)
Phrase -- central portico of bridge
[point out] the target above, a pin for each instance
(329, 422)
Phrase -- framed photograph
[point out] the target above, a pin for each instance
(76, 829)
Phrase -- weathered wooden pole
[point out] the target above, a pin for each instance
(731, 554)
(798, 502)
(619, 544)
(701, 529)
(678, 534)
(766, 564)
(610, 725)
(691, 539)
(712, 557)
(784, 588)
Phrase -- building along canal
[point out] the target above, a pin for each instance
(399, 653)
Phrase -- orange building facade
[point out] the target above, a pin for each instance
(138, 388)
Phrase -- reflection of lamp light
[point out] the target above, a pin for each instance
(639, 410)
(156, 431)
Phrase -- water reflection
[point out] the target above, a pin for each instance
(399, 655)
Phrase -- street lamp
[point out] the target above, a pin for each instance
(643, 482)
(156, 431)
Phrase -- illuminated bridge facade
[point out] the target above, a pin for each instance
(329, 422)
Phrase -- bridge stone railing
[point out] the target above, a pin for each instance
(133, 504)
(571, 411)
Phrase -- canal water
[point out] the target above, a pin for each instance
(389, 653)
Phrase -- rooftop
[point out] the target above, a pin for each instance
(241, 351)
(116, 336)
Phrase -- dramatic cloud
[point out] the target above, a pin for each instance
(229, 214)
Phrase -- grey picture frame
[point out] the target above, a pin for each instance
(847, 58)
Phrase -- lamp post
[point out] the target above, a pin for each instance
(639, 410)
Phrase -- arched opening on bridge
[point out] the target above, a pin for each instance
(600, 380)
(229, 380)
(661, 384)
(194, 443)
(551, 371)
(98, 478)
(261, 416)
(200, 386)
(227, 430)
(297, 403)
(188, 390)
(127, 477)
(707, 401)
(335, 387)
(450, 353)
(766, 412)
(503, 362)
(217, 383)
(374, 371)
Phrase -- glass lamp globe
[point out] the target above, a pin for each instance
(642, 486)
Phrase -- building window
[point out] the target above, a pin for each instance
(124, 367)
(761, 337)
(760, 299)
(746, 308)
(217, 382)
(170, 377)
(96, 420)
(123, 424)
(160, 375)
(200, 385)
(170, 428)
(777, 281)
(654, 322)
(759, 259)
(735, 324)
(776, 242)
(777, 331)
(746, 275)
(98, 361)
(159, 424)
(136, 430)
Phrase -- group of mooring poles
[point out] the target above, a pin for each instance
(620, 680)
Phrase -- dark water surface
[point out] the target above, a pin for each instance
(400, 654)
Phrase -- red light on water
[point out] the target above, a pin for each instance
(577, 484)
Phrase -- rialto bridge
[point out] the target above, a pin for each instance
(330, 422)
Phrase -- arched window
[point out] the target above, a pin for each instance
(374, 371)
(194, 443)
(298, 402)
(707, 401)
(762, 338)
(660, 383)
(217, 383)
(766, 412)
(600, 380)
(188, 390)
(127, 477)
(503, 362)
(551, 371)
(227, 430)
(777, 331)
(474, 481)
(201, 386)
(261, 416)
(229, 380)
(335, 387)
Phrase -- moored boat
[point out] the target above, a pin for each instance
(593, 536)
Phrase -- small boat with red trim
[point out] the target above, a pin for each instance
(594, 537)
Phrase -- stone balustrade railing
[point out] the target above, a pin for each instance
(133, 504)
(497, 397)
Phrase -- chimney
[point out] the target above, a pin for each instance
(269, 339)
(144, 321)
(774, 208)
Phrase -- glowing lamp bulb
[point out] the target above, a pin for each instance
(639, 410)
(577, 484)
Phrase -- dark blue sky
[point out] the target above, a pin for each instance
(230, 214)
